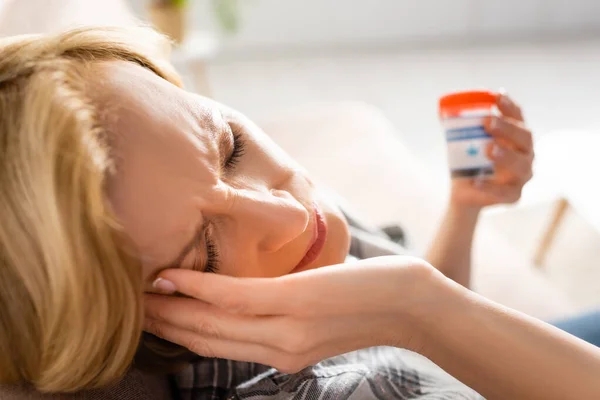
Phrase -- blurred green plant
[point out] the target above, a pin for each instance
(226, 12)
(176, 3)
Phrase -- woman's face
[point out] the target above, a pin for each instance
(199, 186)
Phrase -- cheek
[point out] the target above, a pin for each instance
(263, 152)
(281, 157)
(149, 275)
(268, 149)
(338, 240)
(241, 259)
(338, 235)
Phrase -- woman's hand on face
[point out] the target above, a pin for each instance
(511, 151)
(296, 320)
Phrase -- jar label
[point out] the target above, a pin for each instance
(467, 143)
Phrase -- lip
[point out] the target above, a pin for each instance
(317, 242)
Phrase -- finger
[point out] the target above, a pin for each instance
(291, 359)
(208, 320)
(508, 107)
(297, 294)
(318, 291)
(281, 332)
(511, 131)
(256, 296)
(227, 349)
(510, 166)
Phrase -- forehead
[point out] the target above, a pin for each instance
(162, 141)
(137, 95)
(150, 122)
(148, 119)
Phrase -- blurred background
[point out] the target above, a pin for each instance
(401, 55)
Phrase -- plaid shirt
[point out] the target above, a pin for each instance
(377, 373)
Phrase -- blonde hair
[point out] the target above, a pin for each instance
(70, 287)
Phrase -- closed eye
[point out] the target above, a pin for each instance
(212, 254)
(237, 150)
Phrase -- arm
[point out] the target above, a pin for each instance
(450, 250)
(504, 354)
(301, 319)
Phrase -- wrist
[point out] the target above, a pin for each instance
(421, 308)
(445, 301)
(463, 211)
(460, 222)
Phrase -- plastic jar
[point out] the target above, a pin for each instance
(462, 115)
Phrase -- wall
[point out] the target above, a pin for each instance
(278, 24)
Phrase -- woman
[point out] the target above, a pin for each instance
(112, 177)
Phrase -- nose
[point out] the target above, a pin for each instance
(272, 218)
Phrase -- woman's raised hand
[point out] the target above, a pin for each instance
(295, 320)
(512, 153)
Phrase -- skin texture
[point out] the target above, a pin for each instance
(397, 301)
(171, 148)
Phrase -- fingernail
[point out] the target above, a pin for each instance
(493, 124)
(502, 91)
(478, 183)
(164, 286)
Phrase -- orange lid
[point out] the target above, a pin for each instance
(459, 99)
